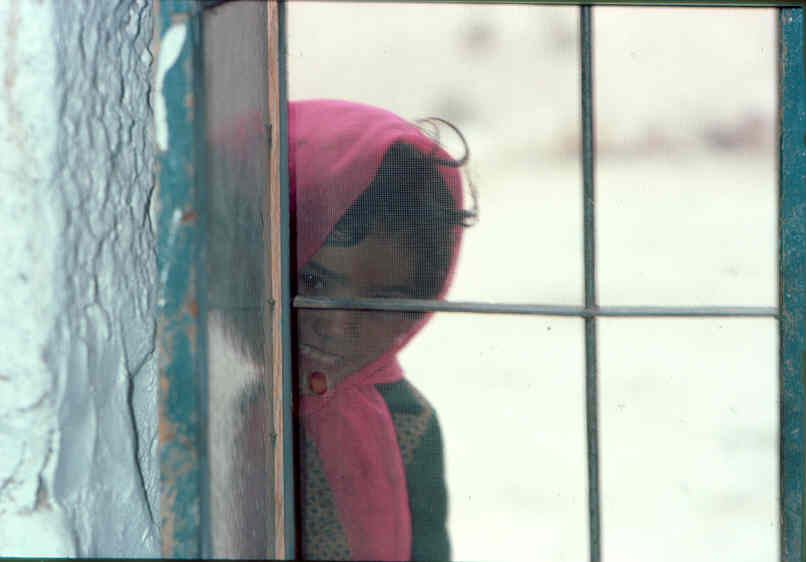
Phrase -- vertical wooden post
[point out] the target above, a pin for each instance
(277, 286)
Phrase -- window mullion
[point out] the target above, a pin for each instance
(285, 532)
(591, 397)
(479, 307)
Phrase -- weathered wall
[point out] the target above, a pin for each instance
(30, 224)
(78, 423)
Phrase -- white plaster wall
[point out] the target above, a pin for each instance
(78, 423)
(30, 521)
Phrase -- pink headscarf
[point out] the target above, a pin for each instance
(334, 150)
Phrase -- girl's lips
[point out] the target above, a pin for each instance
(323, 357)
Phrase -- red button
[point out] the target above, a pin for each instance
(318, 383)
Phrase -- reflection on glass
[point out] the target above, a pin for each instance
(507, 77)
(688, 421)
(238, 422)
(686, 160)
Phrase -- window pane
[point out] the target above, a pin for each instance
(508, 392)
(689, 439)
(238, 422)
(507, 77)
(686, 159)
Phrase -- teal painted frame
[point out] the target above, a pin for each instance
(792, 270)
(181, 242)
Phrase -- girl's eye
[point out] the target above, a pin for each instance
(311, 280)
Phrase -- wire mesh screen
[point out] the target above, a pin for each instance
(239, 414)
(377, 213)
(427, 435)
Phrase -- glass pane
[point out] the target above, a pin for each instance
(686, 159)
(689, 439)
(507, 78)
(508, 392)
(241, 510)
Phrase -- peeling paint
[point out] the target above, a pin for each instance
(170, 46)
(173, 230)
(180, 235)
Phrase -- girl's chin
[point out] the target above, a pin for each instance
(312, 382)
(334, 373)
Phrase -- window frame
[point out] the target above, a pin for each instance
(180, 259)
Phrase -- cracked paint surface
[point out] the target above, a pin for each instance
(78, 377)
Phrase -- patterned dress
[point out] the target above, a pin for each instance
(420, 442)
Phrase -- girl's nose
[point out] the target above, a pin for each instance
(321, 325)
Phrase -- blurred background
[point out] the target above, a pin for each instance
(686, 215)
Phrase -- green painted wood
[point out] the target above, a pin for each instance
(792, 255)
(182, 304)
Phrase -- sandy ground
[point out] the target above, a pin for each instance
(686, 199)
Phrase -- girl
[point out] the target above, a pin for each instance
(377, 212)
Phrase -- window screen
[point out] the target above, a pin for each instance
(435, 157)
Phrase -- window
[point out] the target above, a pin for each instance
(646, 409)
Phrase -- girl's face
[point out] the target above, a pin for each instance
(337, 343)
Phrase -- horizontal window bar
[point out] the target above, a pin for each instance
(424, 305)
(667, 3)
(692, 311)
